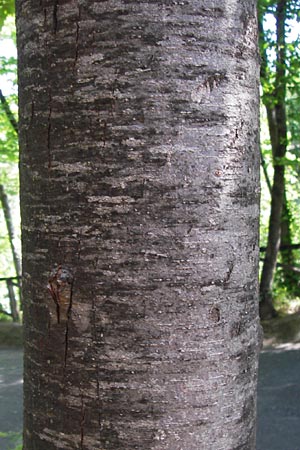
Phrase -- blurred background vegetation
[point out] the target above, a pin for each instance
(279, 145)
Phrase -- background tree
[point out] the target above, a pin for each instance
(139, 193)
(277, 80)
(10, 269)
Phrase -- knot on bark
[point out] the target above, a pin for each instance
(60, 285)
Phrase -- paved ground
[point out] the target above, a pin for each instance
(278, 398)
(11, 370)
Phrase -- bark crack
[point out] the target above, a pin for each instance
(55, 20)
(60, 287)
(69, 312)
(97, 365)
(82, 423)
(66, 344)
(227, 277)
(104, 132)
(77, 35)
(49, 125)
(76, 43)
(32, 111)
(45, 17)
(237, 134)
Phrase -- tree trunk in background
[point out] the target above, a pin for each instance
(139, 193)
(10, 230)
(10, 116)
(14, 310)
(16, 260)
(290, 278)
(278, 133)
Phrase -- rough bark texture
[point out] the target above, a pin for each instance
(140, 192)
(277, 122)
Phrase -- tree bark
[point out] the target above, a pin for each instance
(139, 200)
(276, 115)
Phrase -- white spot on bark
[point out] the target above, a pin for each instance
(198, 95)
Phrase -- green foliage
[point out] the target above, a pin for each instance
(8, 136)
(8, 144)
(7, 8)
(15, 439)
(291, 81)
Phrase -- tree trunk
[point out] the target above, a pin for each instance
(12, 301)
(290, 278)
(10, 230)
(10, 116)
(139, 193)
(276, 114)
(17, 263)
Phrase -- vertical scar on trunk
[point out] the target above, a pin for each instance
(60, 286)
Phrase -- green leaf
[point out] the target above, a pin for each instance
(7, 8)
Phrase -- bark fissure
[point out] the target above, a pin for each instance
(54, 16)
(77, 35)
(66, 344)
(32, 111)
(49, 126)
(76, 43)
(104, 132)
(98, 339)
(82, 424)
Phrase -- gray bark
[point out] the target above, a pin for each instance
(139, 193)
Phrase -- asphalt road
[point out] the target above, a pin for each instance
(278, 398)
(11, 385)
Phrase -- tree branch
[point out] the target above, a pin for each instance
(2, 311)
(8, 112)
(283, 247)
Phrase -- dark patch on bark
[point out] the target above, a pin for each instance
(236, 329)
(215, 314)
(54, 16)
